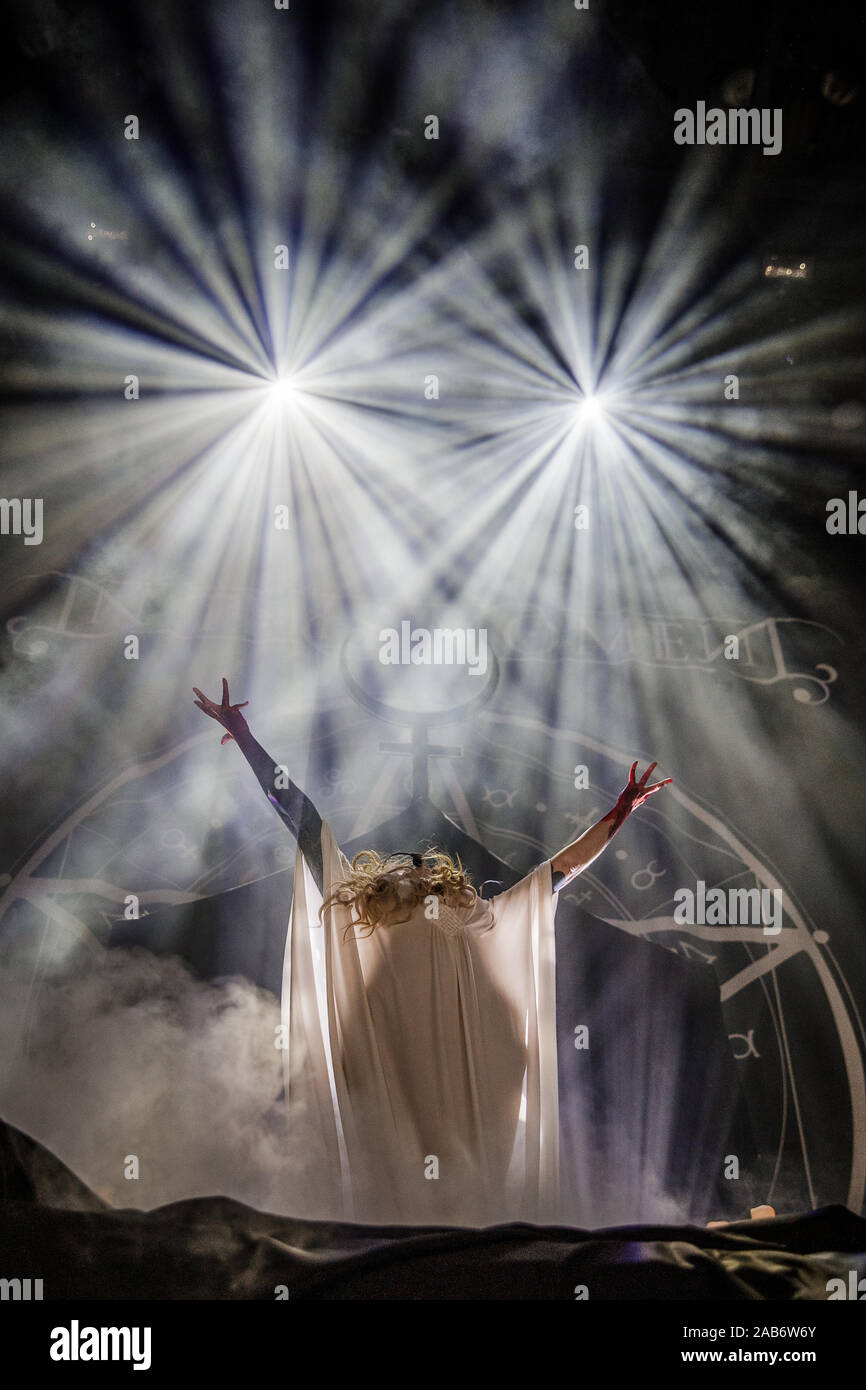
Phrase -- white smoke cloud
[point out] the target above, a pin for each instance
(138, 1057)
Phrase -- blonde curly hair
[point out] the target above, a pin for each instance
(378, 893)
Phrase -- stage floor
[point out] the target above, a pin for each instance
(216, 1248)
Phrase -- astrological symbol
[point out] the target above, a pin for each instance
(582, 822)
(174, 838)
(748, 1039)
(648, 874)
(573, 898)
(506, 798)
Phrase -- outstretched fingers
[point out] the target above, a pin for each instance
(204, 704)
(643, 780)
(217, 712)
(227, 705)
(657, 786)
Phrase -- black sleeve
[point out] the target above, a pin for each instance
(291, 804)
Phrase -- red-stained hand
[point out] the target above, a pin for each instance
(633, 794)
(226, 714)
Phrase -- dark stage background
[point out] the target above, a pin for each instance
(288, 363)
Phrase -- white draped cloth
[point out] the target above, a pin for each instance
(420, 1066)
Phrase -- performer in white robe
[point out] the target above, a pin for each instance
(421, 1066)
(430, 1027)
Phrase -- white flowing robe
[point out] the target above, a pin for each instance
(421, 1067)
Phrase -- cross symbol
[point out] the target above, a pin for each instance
(420, 750)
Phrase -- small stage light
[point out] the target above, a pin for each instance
(780, 267)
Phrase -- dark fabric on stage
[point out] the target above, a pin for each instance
(213, 1248)
(635, 997)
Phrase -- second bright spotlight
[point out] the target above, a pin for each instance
(590, 407)
(283, 390)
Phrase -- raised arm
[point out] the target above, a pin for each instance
(572, 860)
(290, 803)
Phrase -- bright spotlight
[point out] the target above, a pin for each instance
(590, 407)
(284, 390)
